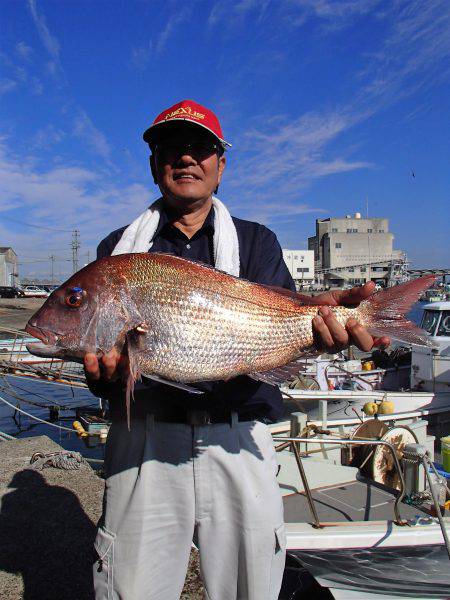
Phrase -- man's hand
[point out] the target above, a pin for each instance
(108, 368)
(330, 335)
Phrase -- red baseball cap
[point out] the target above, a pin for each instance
(187, 110)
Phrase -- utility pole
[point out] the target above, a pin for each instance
(52, 258)
(75, 247)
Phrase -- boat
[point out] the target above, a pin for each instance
(334, 390)
(363, 534)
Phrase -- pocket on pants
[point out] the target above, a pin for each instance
(104, 565)
(278, 561)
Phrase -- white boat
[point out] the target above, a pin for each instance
(350, 536)
(424, 389)
(430, 367)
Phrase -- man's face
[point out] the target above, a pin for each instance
(186, 165)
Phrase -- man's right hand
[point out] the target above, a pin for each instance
(108, 368)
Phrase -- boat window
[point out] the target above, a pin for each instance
(444, 325)
(429, 320)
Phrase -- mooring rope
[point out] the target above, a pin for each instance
(67, 460)
(34, 416)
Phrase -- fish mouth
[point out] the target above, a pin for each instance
(47, 347)
(45, 350)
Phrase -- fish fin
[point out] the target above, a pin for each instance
(388, 308)
(176, 384)
(298, 298)
(134, 373)
(281, 374)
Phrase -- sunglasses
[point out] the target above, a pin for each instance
(200, 150)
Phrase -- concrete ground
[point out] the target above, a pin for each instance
(47, 527)
(15, 312)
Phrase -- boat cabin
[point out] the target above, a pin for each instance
(430, 366)
(436, 320)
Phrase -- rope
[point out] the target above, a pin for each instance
(69, 461)
(40, 371)
(34, 417)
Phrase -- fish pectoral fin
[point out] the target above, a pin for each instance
(278, 375)
(176, 384)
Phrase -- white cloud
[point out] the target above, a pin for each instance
(414, 54)
(61, 198)
(179, 15)
(23, 50)
(141, 56)
(283, 160)
(7, 85)
(50, 42)
(86, 131)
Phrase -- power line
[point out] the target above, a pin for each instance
(36, 226)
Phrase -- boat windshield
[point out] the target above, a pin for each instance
(429, 320)
(444, 325)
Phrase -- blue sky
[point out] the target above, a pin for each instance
(330, 105)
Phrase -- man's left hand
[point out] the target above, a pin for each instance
(332, 337)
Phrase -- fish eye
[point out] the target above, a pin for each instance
(74, 298)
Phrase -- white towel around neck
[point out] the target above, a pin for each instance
(138, 236)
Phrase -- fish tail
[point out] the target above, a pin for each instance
(388, 307)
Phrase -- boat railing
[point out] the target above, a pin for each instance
(17, 361)
(294, 442)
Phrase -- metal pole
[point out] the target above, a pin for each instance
(75, 247)
(343, 442)
(436, 504)
(52, 259)
(306, 486)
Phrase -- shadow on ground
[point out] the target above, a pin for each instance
(47, 538)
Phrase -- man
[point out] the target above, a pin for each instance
(196, 466)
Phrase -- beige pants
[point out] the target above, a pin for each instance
(168, 484)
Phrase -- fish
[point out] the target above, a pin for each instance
(181, 322)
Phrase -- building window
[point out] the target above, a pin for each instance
(296, 257)
(363, 269)
(351, 269)
(369, 230)
(302, 269)
(354, 231)
(334, 230)
(381, 231)
(349, 230)
(338, 245)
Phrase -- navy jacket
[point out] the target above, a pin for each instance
(261, 262)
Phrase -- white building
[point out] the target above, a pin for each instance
(354, 250)
(8, 266)
(301, 265)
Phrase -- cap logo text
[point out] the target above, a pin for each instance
(184, 110)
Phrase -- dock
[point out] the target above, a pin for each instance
(47, 527)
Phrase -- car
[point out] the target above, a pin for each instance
(35, 291)
(9, 291)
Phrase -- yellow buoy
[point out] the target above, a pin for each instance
(386, 407)
(370, 408)
(79, 428)
(368, 365)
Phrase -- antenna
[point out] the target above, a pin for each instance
(75, 247)
(367, 207)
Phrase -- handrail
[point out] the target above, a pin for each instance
(342, 442)
(352, 375)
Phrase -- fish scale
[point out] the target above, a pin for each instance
(216, 332)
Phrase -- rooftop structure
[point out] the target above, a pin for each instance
(354, 250)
